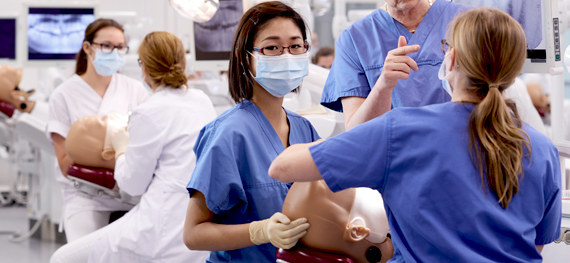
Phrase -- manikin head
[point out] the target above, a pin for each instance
(352, 222)
(88, 142)
(540, 100)
(10, 78)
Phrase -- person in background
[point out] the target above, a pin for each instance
(95, 89)
(154, 158)
(389, 59)
(324, 57)
(462, 181)
(234, 208)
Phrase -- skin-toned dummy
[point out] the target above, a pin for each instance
(348, 222)
(540, 100)
(88, 142)
(10, 78)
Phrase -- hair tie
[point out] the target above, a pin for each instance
(493, 85)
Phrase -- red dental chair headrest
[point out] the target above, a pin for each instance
(301, 253)
(7, 108)
(100, 176)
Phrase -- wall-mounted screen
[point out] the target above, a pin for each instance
(56, 33)
(540, 25)
(212, 40)
(8, 38)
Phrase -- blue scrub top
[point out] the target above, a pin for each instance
(363, 46)
(438, 210)
(233, 154)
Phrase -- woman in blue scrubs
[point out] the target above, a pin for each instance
(389, 59)
(462, 181)
(234, 205)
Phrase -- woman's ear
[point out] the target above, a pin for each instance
(355, 233)
(87, 48)
(108, 154)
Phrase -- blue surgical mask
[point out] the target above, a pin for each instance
(444, 82)
(107, 64)
(279, 75)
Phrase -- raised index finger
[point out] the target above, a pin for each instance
(405, 50)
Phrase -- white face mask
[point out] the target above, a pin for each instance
(114, 123)
(442, 74)
(368, 211)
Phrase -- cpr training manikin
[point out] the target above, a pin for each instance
(88, 145)
(11, 97)
(351, 223)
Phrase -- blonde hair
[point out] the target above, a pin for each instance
(163, 57)
(490, 47)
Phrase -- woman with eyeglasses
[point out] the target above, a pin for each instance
(95, 89)
(462, 181)
(234, 208)
(154, 160)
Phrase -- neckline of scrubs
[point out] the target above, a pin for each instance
(111, 84)
(268, 129)
(424, 28)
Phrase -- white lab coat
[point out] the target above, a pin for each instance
(157, 163)
(519, 94)
(74, 99)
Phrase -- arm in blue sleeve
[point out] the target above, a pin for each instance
(548, 229)
(359, 157)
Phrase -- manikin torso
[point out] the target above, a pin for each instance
(329, 215)
(88, 142)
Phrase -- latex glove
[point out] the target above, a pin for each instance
(279, 230)
(120, 141)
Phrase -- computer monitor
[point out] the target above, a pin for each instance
(211, 42)
(55, 32)
(541, 26)
(8, 31)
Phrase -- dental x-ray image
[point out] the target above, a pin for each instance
(7, 38)
(213, 39)
(528, 13)
(57, 33)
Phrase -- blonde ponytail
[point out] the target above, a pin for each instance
(490, 47)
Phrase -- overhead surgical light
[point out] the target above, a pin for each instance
(198, 10)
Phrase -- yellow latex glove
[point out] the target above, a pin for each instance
(279, 230)
(120, 141)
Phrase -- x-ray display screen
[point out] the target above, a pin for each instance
(7, 38)
(57, 33)
(213, 39)
(529, 14)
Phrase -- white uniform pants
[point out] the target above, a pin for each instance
(78, 250)
(83, 223)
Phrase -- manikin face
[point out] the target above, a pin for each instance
(88, 142)
(351, 222)
(10, 78)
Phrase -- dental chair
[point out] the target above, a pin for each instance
(301, 253)
(7, 108)
(91, 181)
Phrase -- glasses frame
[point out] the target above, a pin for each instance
(443, 43)
(114, 47)
(282, 48)
(140, 62)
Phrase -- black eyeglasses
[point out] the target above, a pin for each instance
(444, 46)
(108, 48)
(296, 49)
